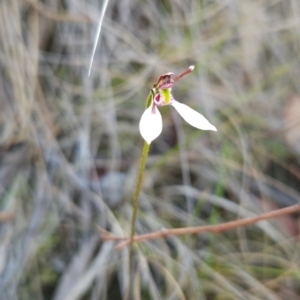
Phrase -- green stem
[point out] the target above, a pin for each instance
(138, 188)
(135, 203)
(134, 213)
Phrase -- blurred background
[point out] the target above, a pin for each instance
(70, 148)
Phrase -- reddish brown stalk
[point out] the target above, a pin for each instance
(211, 228)
(106, 235)
(111, 237)
(6, 216)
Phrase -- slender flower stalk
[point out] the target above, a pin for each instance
(135, 203)
(140, 177)
(138, 187)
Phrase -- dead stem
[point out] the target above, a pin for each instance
(6, 216)
(210, 228)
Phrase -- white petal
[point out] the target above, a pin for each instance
(151, 124)
(192, 117)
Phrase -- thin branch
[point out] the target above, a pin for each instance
(106, 235)
(6, 216)
(211, 228)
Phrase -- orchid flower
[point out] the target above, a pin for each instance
(151, 120)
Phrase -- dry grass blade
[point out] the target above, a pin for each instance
(97, 36)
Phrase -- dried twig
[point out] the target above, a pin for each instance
(209, 228)
(6, 216)
(106, 235)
